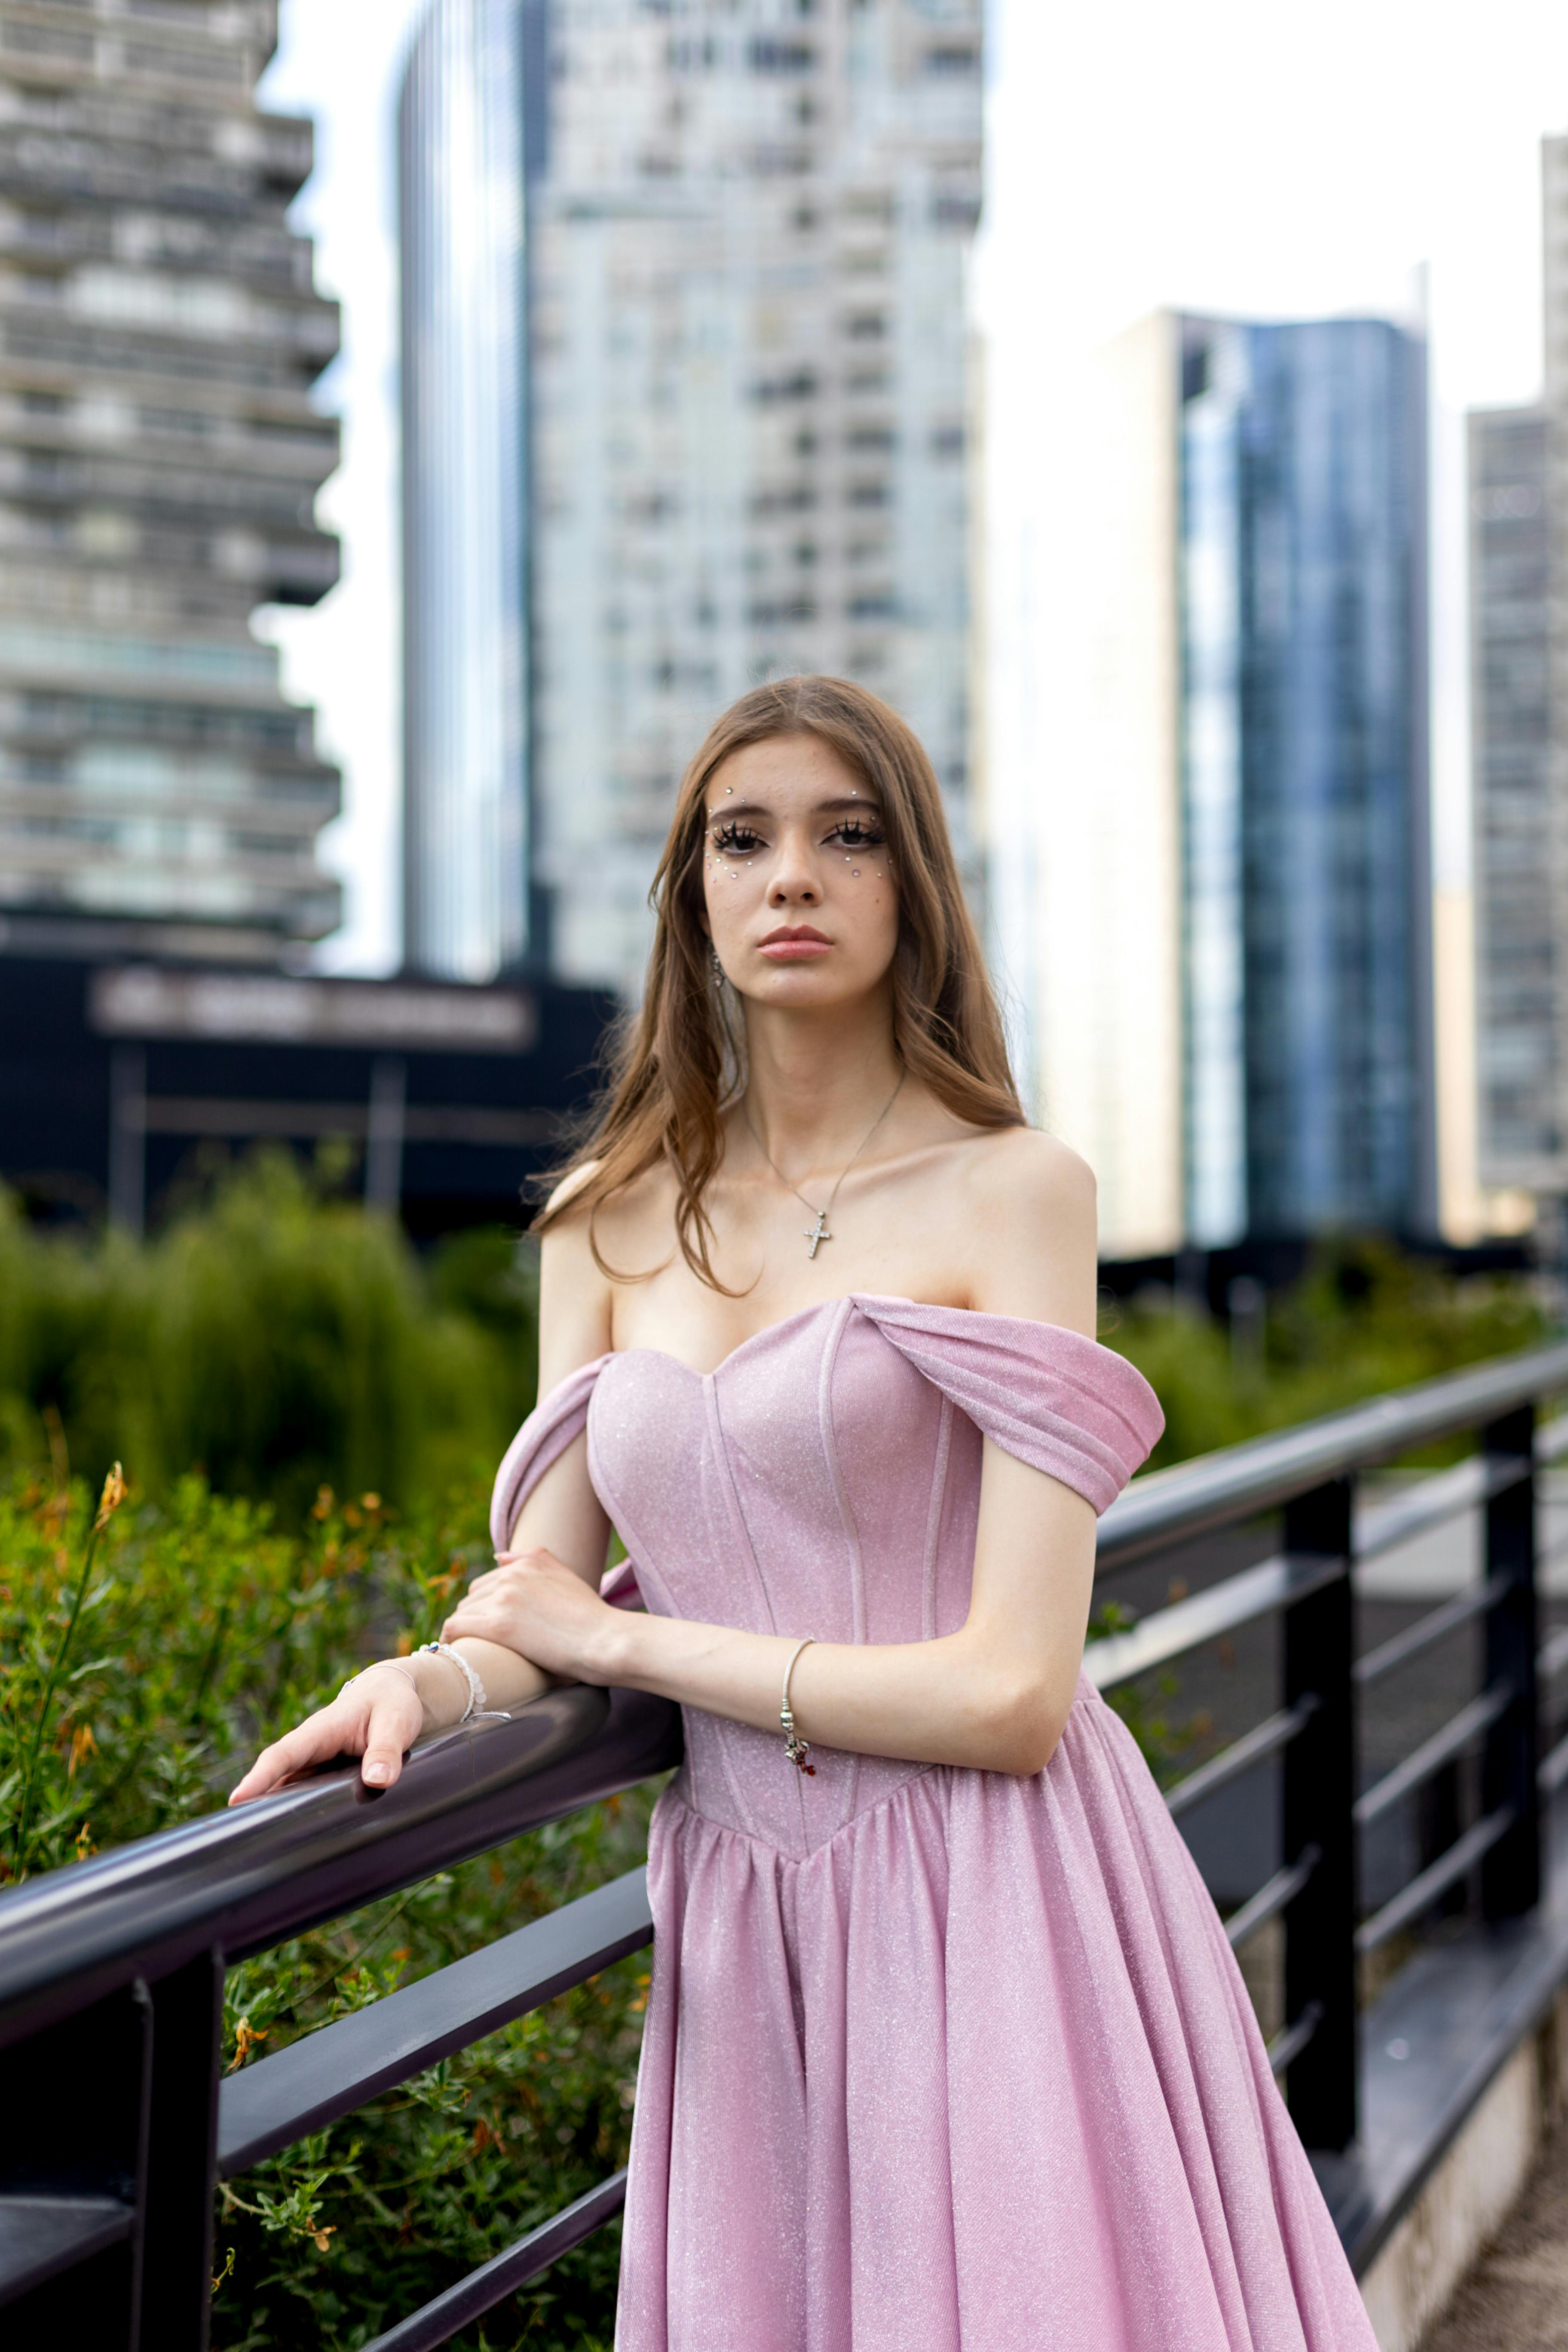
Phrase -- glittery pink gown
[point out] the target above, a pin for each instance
(934, 2058)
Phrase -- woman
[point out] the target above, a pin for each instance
(946, 2047)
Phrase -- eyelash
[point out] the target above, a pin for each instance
(734, 839)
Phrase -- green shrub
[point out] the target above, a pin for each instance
(141, 1688)
(274, 1337)
(1364, 1319)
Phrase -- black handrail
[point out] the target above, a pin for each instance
(1262, 1473)
(251, 1877)
(110, 1972)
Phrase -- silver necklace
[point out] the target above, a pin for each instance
(819, 1233)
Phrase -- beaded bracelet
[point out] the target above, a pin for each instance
(478, 1708)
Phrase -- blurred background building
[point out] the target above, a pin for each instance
(160, 800)
(687, 403)
(159, 455)
(1518, 578)
(1234, 1009)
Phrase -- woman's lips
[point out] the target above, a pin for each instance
(794, 946)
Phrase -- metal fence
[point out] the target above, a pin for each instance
(117, 2125)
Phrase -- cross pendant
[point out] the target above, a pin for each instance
(818, 1233)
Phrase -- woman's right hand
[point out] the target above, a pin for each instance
(378, 1716)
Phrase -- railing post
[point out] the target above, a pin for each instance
(182, 2158)
(1320, 1791)
(1510, 1873)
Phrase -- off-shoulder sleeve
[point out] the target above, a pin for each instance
(543, 1438)
(1059, 1402)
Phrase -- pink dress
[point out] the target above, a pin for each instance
(934, 2058)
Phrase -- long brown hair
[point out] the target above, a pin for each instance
(679, 1061)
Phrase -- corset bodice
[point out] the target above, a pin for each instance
(825, 1479)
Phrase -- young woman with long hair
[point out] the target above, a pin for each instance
(945, 2046)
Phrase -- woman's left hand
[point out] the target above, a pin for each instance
(531, 1603)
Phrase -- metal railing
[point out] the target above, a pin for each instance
(118, 2126)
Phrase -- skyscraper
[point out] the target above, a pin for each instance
(159, 455)
(1235, 927)
(1519, 711)
(743, 232)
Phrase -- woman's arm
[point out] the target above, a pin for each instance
(380, 1715)
(995, 1694)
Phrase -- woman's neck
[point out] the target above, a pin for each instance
(817, 1083)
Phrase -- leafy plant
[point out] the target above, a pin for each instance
(145, 1653)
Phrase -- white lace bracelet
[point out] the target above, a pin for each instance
(478, 1708)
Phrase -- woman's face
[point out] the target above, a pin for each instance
(800, 902)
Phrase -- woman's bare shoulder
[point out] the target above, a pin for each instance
(1030, 1212)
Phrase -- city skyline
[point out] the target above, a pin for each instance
(1142, 135)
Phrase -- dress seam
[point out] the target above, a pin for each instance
(672, 1796)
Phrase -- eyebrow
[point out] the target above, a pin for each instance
(864, 803)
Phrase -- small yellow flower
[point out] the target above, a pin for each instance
(246, 2038)
(109, 1502)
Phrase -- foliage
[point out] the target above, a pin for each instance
(275, 1337)
(138, 1667)
(1364, 1319)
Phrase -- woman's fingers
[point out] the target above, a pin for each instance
(387, 1735)
(319, 1737)
(379, 1720)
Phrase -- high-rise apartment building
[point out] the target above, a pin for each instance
(159, 457)
(1233, 936)
(742, 227)
(1519, 711)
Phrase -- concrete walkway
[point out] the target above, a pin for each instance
(1516, 2298)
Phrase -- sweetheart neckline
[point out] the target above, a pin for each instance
(860, 1298)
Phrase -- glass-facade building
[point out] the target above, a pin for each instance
(1521, 968)
(1306, 863)
(1519, 728)
(686, 406)
(462, 178)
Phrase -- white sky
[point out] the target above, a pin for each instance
(1237, 156)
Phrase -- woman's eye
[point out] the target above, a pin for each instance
(735, 840)
(855, 833)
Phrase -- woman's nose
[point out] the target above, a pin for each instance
(795, 879)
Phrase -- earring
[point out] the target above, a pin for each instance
(720, 974)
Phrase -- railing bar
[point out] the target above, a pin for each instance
(1271, 1897)
(1289, 2043)
(1170, 1632)
(1552, 1769)
(438, 2321)
(43, 2232)
(328, 2074)
(1432, 1754)
(1552, 1656)
(1423, 1891)
(1263, 1472)
(1275, 1732)
(1552, 1438)
(1446, 1495)
(1430, 1628)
